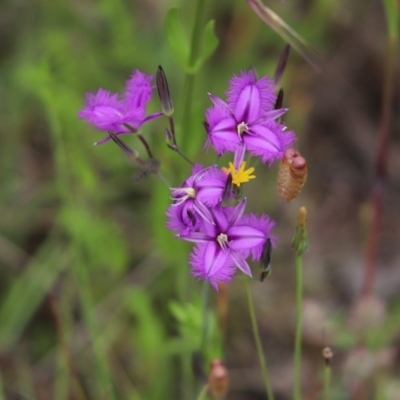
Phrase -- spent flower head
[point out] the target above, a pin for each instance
(108, 113)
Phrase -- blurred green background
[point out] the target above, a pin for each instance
(97, 301)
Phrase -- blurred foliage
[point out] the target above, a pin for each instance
(97, 301)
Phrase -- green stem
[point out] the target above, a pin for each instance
(260, 351)
(205, 295)
(2, 397)
(195, 39)
(203, 393)
(327, 381)
(392, 14)
(188, 87)
(297, 342)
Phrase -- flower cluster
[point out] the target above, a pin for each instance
(208, 209)
(225, 237)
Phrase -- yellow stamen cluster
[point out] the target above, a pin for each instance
(241, 175)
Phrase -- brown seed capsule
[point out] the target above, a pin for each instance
(292, 174)
(218, 381)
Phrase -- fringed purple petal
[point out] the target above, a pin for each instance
(196, 237)
(268, 141)
(248, 105)
(236, 213)
(244, 237)
(220, 218)
(103, 110)
(243, 88)
(203, 211)
(241, 263)
(183, 219)
(215, 114)
(210, 189)
(271, 115)
(138, 90)
(219, 103)
(263, 224)
(210, 262)
(224, 136)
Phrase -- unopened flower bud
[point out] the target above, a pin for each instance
(300, 238)
(218, 380)
(292, 174)
(279, 100)
(226, 195)
(167, 107)
(265, 260)
(327, 354)
(281, 64)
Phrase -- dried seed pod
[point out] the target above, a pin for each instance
(327, 354)
(218, 380)
(292, 174)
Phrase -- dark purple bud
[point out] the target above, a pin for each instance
(281, 64)
(279, 100)
(265, 260)
(167, 107)
(226, 195)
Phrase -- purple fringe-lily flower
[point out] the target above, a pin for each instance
(109, 114)
(247, 122)
(225, 244)
(192, 201)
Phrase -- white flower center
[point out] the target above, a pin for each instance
(186, 193)
(222, 240)
(242, 128)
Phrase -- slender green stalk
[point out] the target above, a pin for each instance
(327, 381)
(260, 351)
(187, 101)
(188, 87)
(205, 295)
(300, 246)
(392, 15)
(203, 393)
(299, 317)
(1, 388)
